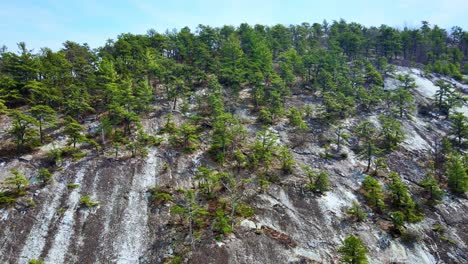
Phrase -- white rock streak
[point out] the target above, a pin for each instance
(134, 235)
(65, 230)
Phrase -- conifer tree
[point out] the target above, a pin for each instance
(353, 251)
(457, 175)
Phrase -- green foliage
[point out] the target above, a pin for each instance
(402, 200)
(245, 210)
(318, 180)
(367, 133)
(445, 97)
(74, 131)
(265, 117)
(208, 181)
(391, 131)
(341, 136)
(36, 261)
(286, 159)
(228, 133)
(87, 202)
(295, 118)
(353, 251)
(7, 198)
(373, 192)
(186, 138)
(21, 130)
(356, 212)
(44, 175)
(30, 202)
(45, 118)
(398, 220)
(72, 186)
(459, 127)
(432, 190)
(264, 148)
(457, 175)
(17, 180)
(159, 195)
(407, 82)
(221, 223)
(188, 209)
(403, 101)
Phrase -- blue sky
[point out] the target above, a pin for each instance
(49, 23)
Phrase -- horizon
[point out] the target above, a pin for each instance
(51, 23)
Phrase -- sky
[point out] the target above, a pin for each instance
(49, 23)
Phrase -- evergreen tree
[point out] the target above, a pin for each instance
(44, 175)
(391, 131)
(45, 117)
(21, 130)
(402, 200)
(17, 180)
(186, 138)
(367, 133)
(373, 192)
(286, 159)
(264, 148)
(457, 175)
(432, 190)
(353, 251)
(318, 180)
(74, 131)
(403, 100)
(459, 127)
(357, 212)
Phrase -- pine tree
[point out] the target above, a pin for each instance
(73, 130)
(318, 180)
(353, 251)
(286, 159)
(367, 134)
(402, 200)
(432, 189)
(22, 131)
(459, 127)
(44, 175)
(17, 180)
(357, 212)
(373, 192)
(457, 175)
(45, 117)
(391, 131)
(264, 148)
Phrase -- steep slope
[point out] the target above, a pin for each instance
(290, 225)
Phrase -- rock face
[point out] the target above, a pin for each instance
(290, 224)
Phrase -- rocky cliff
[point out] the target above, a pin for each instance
(290, 224)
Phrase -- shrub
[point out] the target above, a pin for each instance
(17, 180)
(318, 180)
(30, 202)
(244, 210)
(221, 224)
(85, 201)
(159, 196)
(35, 261)
(72, 186)
(447, 239)
(439, 229)
(6, 199)
(356, 212)
(265, 117)
(44, 175)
